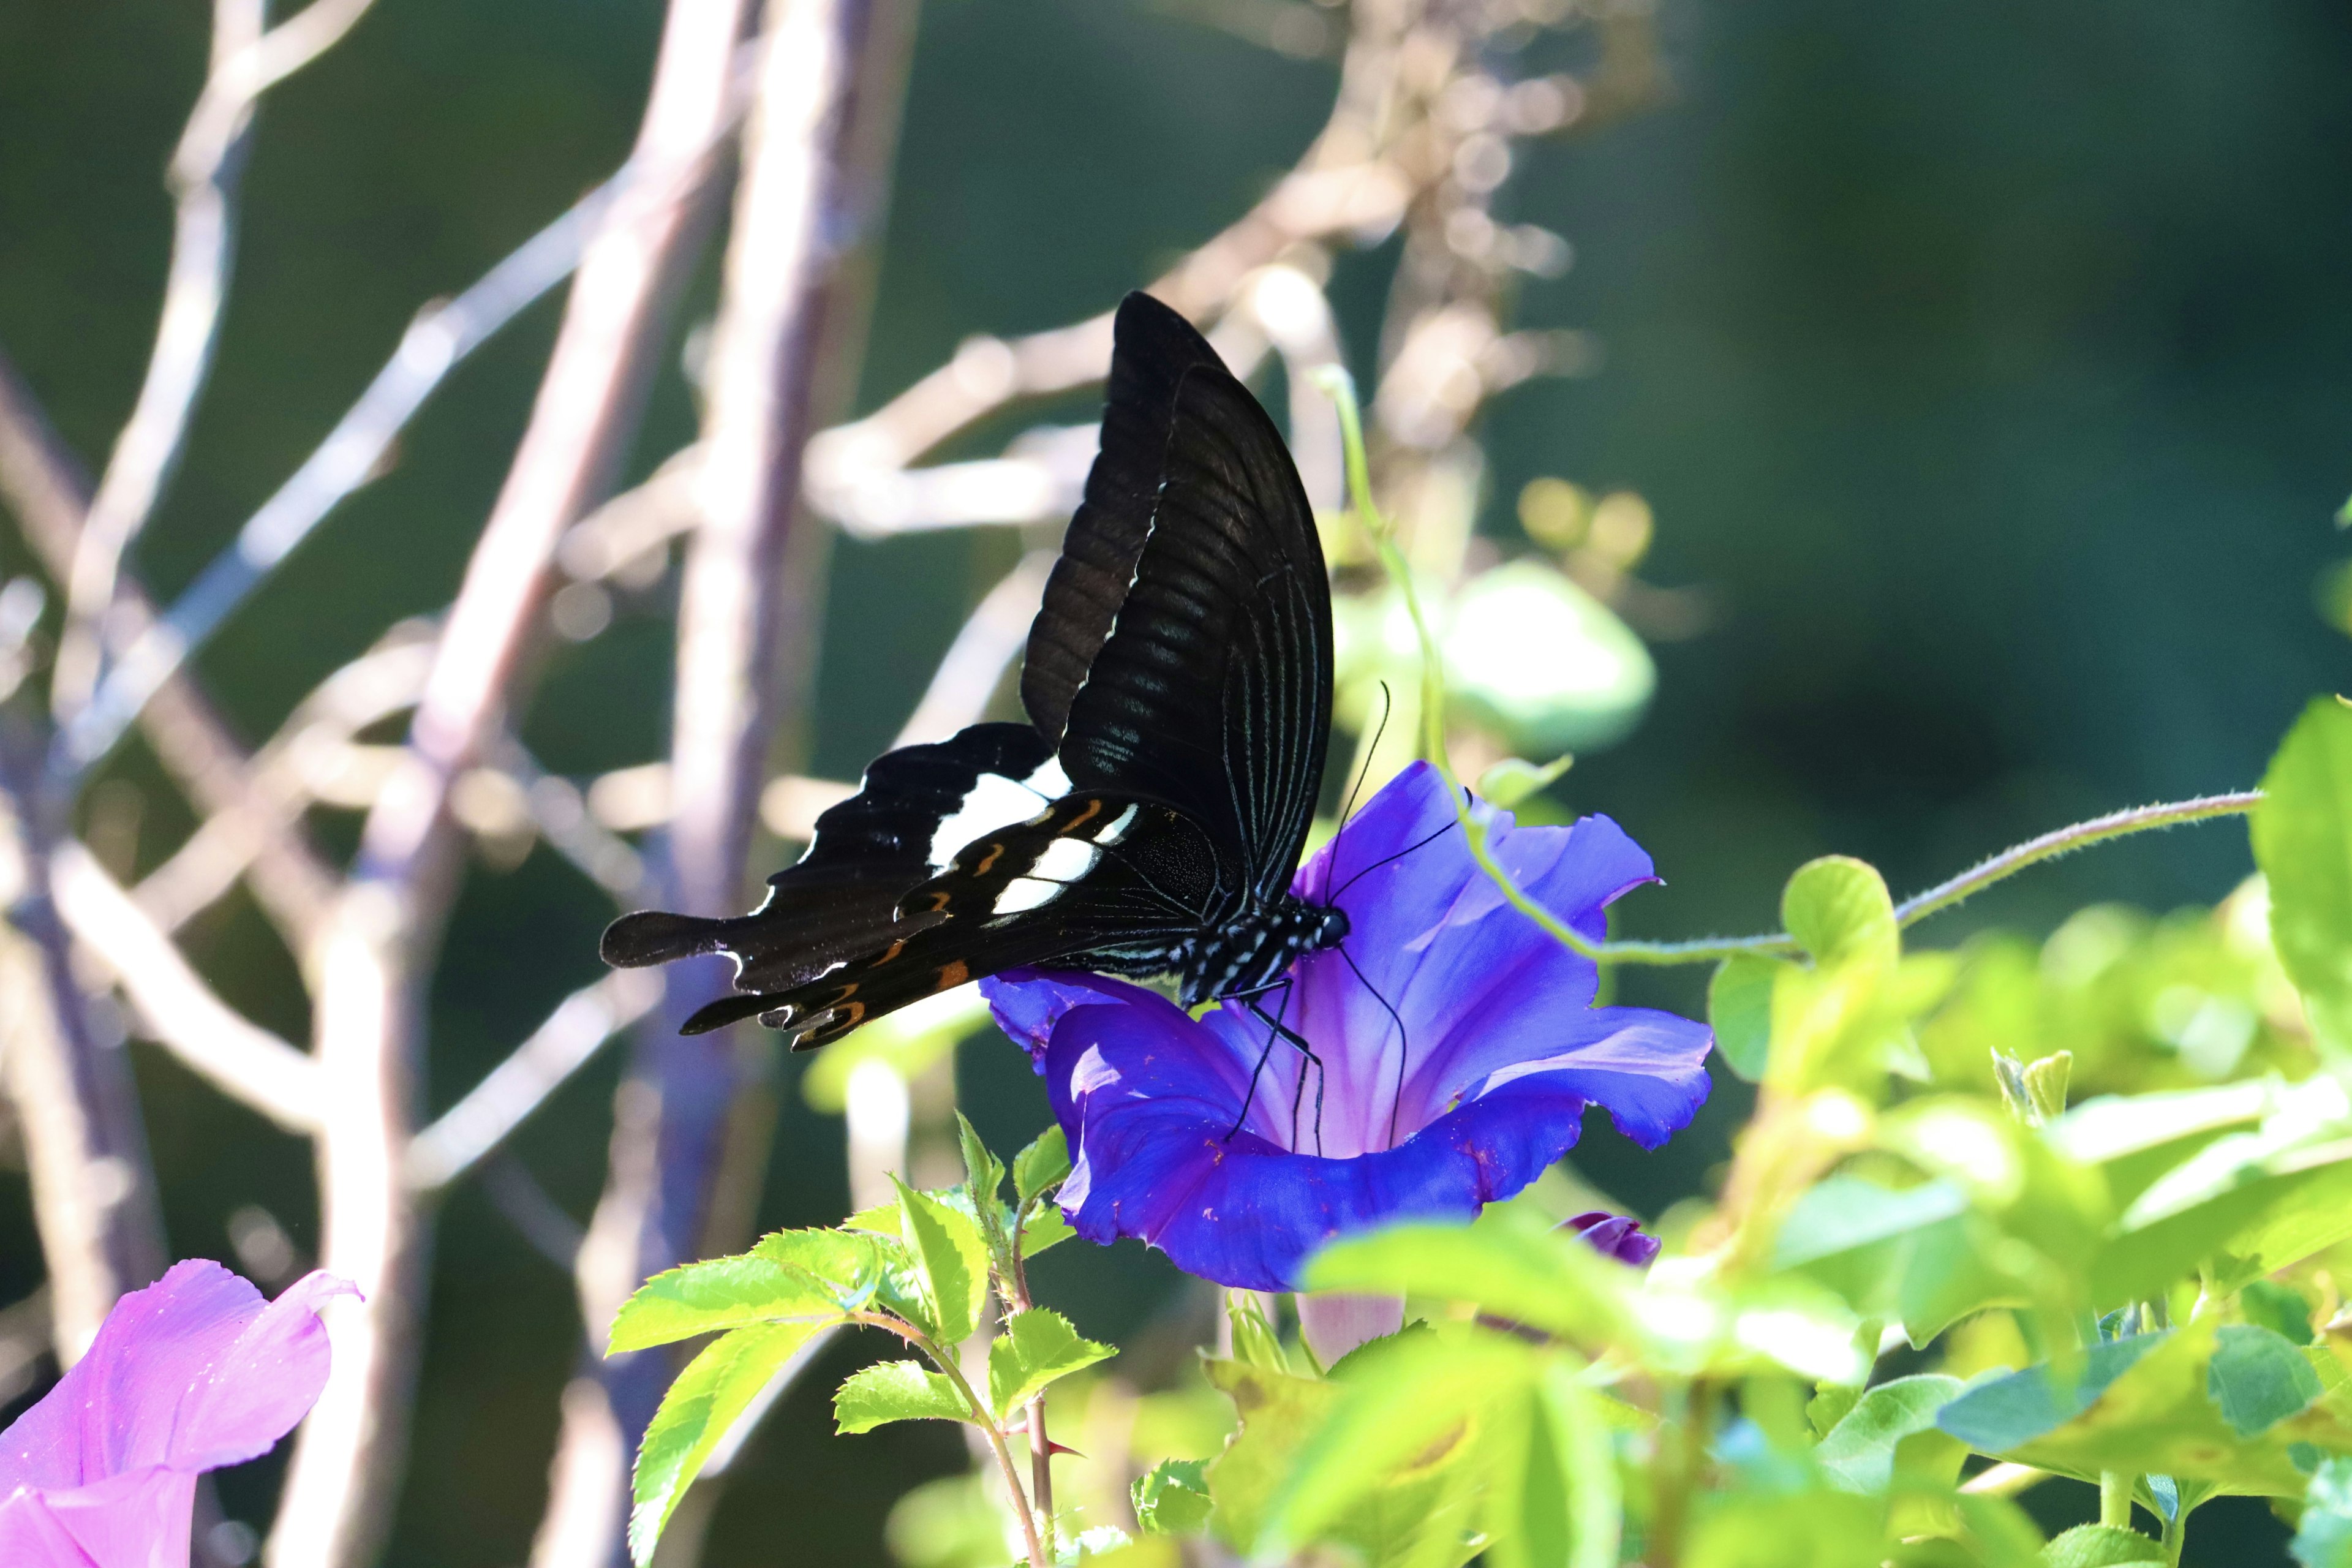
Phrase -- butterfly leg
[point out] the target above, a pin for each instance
(1278, 1030)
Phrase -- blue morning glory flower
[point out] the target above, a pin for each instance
(1458, 1041)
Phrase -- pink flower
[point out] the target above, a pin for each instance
(194, 1373)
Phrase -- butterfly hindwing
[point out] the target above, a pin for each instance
(917, 806)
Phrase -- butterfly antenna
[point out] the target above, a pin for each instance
(1331, 866)
(1404, 1041)
(1390, 859)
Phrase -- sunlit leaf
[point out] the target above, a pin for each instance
(1739, 1009)
(1838, 910)
(2009, 1411)
(1172, 1498)
(1805, 1530)
(896, 1391)
(2259, 1378)
(1041, 1165)
(723, 1293)
(1845, 1212)
(1510, 1264)
(952, 1260)
(1859, 1451)
(1045, 1228)
(2103, 1546)
(2303, 841)
(1036, 1348)
(715, 1387)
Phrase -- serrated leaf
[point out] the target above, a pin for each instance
(1739, 1009)
(723, 1293)
(1838, 910)
(2010, 1412)
(1859, 1452)
(2102, 1546)
(851, 1263)
(1173, 1499)
(1045, 1228)
(1037, 1348)
(1255, 1342)
(984, 1173)
(895, 1390)
(2258, 1378)
(1043, 1165)
(1509, 1263)
(716, 1388)
(1411, 1403)
(1842, 1213)
(951, 1261)
(2302, 835)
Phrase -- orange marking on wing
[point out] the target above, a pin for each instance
(1093, 810)
(994, 850)
(952, 974)
(940, 900)
(893, 950)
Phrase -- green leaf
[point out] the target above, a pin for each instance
(1803, 1530)
(1842, 1213)
(852, 1266)
(1043, 1166)
(2254, 1229)
(983, 1178)
(2303, 841)
(1172, 1498)
(1514, 779)
(715, 1387)
(2278, 1307)
(1410, 1403)
(2259, 1378)
(1859, 1452)
(896, 1391)
(1739, 1007)
(2102, 1546)
(1510, 1263)
(2010, 1412)
(723, 1293)
(1044, 1228)
(1952, 1273)
(1838, 910)
(1037, 1348)
(952, 1260)
(2325, 1539)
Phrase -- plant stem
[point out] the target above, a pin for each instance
(1041, 1447)
(1038, 1557)
(2115, 1498)
(2175, 1536)
(1705, 950)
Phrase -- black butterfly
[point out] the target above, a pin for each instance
(1148, 818)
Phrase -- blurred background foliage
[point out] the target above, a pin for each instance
(1985, 368)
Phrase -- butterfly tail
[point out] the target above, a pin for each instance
(656, 936)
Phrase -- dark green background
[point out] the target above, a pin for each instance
(1990, 362)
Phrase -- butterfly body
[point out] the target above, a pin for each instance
(1149, 818)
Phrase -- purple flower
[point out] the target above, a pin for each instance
(1483, 1085)
(194, 1373)
(1614, 1235)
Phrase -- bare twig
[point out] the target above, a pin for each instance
(42, 483)
(204, 255)
(974, 664)
(93, 1190)
(388, 922)
(829, 85)
(471, 1130)
(176, 1007)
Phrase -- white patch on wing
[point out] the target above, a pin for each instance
(995, 801)
(1118, 827)
(1065, 860)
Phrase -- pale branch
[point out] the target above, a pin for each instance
(43, 484)
(973, 666)
(635, 243)
(469, 1130)
(689, 1130)
(93, 1188)
(525, 1205)
(250, 70)
(176, 1009)
(147, 452)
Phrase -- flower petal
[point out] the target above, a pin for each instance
(191, 1373)
(1152, 1102)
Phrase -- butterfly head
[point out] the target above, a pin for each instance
(1330, 930)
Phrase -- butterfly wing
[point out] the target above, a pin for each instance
(1210, 692)
(915, 808)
